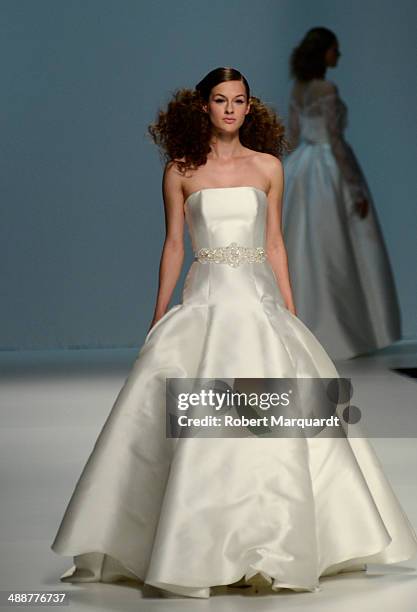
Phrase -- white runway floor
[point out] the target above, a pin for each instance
(53, 405)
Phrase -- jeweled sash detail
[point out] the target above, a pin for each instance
(233, 255)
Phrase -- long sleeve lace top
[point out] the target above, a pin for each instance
(320, 98)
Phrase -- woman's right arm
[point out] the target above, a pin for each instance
(345, 158)
(172, 256)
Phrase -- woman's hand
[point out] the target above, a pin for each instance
(154, 321)
(292, 309)
(361, 208)
(151, 325)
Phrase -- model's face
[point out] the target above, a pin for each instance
(228, 105)
(332, 55)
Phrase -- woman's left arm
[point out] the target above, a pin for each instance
(275, 247)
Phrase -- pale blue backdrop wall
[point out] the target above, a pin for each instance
(81, 209)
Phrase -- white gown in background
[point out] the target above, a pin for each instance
(190, 513)
(340, 272)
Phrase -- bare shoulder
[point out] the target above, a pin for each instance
(172, 180)
(269, 164)
(172, 174)
(171, 168)
(272, 171)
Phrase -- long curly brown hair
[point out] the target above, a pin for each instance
(183, 130)
(307, 59)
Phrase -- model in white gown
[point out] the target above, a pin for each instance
(187, 514)
(339, 269)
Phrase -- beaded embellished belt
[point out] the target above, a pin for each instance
(233, 255)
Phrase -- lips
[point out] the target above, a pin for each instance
(226, 120)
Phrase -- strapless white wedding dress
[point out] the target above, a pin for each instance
(190, 513)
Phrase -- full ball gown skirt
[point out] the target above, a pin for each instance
(341, 277)
(186, 514)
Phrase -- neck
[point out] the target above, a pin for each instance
(225, 146)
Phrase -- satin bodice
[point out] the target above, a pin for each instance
(216, 217)
(220, 215)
